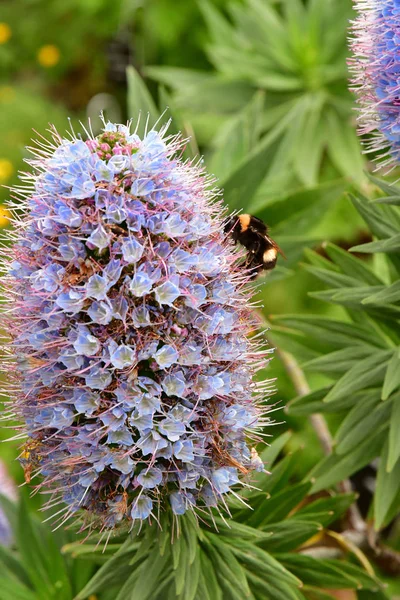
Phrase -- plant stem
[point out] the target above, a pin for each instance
(302, 388)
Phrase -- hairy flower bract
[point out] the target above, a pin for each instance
(376, 69)
(130, 324)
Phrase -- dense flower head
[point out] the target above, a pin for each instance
(376, 70)
(130, 322)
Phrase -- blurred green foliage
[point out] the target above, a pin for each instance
(260, 88)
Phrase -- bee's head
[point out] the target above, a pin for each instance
(233, 227)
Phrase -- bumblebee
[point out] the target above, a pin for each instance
(252, 233)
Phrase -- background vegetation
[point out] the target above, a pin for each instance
(260, 87)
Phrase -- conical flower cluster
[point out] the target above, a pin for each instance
(376, 74)
(130, 324)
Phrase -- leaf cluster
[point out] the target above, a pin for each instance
(295, 54)
(257, 554)
(359, 354)
(34, 568)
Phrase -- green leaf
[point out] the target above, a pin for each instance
(364, 580)
(14, 590)
(193, 578)
(32, 548)
(339, 361)
(176, 547)
(271, 453)
(314, 404)
(289, 535)
(149, 577)
(237, 138)
(359, 424)
(280, 475)
(335, 468)
(389, 188)
(129, 582)
(384, 221)
(391, 244)
(182, 567)
(14, 566)
(332, 331)
(210, 579)
(241, 185)
(176, 77)
(387, 488)
(325, 510)
(344, 147)
(219, 27)
(273, 590)
(113, 572)
(365, 373)
(394, 437)
(297, 211)
(392, 377)
(262, 563)
(312, 593)
(307, 163)
(190, 529)
(140, 102)
(352, 266)
(386, 295)
(279, 505)
(330, 574)
(202, 591)
(233, 529)
(229, 569)
(331, 278)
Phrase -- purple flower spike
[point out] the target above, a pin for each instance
(130, 321)
(376, 75)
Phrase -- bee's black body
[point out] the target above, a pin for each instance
(252, 233)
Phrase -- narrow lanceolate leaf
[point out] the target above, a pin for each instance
(325, 510)
(274, 590)
(364, 427)
(227, 566)
(332, 331)
(148, 581)
(113, 572)
(385, 295)
(140, 101)
(289, 534)
(391, 244)
(387, 488)
(280, 505)
(352, 266)
(271, 453)
(237, 138)
(335, 467)
(330, 574)
(367, 372)
(392, 377)
(240, 186)
(394, 437)
(208, 568)
(262, 563)
(340, 361)
(384, 221)
(313, 403)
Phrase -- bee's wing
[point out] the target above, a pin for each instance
(275, 245)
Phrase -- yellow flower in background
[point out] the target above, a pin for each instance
(5, 33)
(7, 93)
(6, 169)
(48, 55)
(5, 216)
